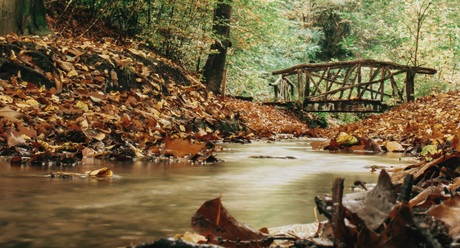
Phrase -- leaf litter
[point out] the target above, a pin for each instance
(62, 99)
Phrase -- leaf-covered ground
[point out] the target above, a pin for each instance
(266, 120)
(64, 98)
(426, 122)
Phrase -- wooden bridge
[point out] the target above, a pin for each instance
(349, 86)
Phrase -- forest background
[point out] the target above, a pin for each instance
(267, 35)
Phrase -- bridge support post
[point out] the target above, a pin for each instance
(410, 78)
(300, 85)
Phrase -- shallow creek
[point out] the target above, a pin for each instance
(148, 201)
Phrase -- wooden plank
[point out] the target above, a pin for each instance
(361, 106)
(353, 85)
(307, 83)
(347, 76)
(395, 87)
(358, 89)
(328, 78)
(300, 84)
(316, 88)
(383, 72)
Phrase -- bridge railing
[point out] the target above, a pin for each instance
(342, 83)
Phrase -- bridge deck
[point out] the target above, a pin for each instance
(363, 106)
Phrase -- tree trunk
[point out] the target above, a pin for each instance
(214, 68)
(25, 17)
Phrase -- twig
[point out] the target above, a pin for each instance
(60, 16)
(322, 208)
(97, 19)
(406, 189)
(341, 237)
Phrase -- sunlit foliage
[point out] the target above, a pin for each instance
(272, 34)
(387, 30)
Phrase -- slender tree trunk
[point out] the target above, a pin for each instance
(8, 21)
(214, 68)
(24, 17)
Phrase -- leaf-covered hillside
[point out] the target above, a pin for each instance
(83, 97)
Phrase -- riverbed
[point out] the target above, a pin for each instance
(146, 201)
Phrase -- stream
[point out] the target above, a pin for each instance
(144, 201)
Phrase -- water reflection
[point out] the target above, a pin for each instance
(147, 201)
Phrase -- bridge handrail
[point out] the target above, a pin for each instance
(342, 64)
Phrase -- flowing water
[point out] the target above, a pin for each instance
(148, 201)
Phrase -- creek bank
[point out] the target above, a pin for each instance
(63, 99)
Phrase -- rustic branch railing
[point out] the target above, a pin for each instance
(333, 86)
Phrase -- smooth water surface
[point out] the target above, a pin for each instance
(148, 201)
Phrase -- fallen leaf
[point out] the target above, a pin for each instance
(193, 238)
(449, 212)
(346, 139)
(429, 150)
(6, 99)
(428, 197)
(393, 146)
(100, 173)
(373, 206)
(83, 106)
(214, 221)
(13, 140)
(66, 66)
(455, 184)
(10, 114)
(182, 147)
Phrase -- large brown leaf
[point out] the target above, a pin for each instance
(420, 169)
(399, 231)
(373, 206)
(182, 147)
(10, 114)
(449, 212)
(215, 222)
(428, 197)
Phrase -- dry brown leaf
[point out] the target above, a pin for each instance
(57, 82)
(393, 146)
(13, 140)
(449, 212)
(419, 169)
(100, 173)
(83, 106)
(182, 147)
(27, 131)
(10, 114)
(455, 184)
(5, 99)
(193, 238)
(66, 66)
(373, 206)
(319, 144)
(94, 134)
(428, 197)
(214, 221)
